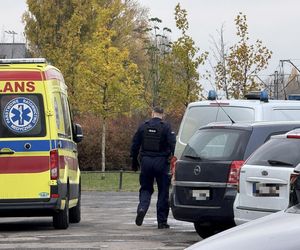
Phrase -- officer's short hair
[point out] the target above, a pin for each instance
(158, 110)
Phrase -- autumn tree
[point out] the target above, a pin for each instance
(112, 82)
(87, 41)
(59, 30)
(156, 45)
(217, 75)
(180, 67)
(245, 60)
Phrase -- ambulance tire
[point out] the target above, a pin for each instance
(61, 217)
(75, 212)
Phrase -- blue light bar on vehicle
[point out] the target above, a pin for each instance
(212, 95)
(264, 96)
(257, 95)
(294, 97)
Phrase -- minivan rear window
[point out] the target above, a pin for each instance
(22, 115)
(199, 116)
(217, 144)
(279, 152)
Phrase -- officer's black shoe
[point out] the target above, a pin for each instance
(140, 217)
(163, 225)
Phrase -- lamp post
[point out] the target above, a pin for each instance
(13, 33)
(157, 50)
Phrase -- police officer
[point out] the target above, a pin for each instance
(154, 143)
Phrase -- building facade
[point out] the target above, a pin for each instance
(13, 50)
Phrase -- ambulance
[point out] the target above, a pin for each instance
(39, 171)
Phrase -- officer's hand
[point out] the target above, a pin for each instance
(135, 164)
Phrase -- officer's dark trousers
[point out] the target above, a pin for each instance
(155, 168)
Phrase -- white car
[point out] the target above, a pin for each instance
(264, 184)
(278, 231)
(257, 107)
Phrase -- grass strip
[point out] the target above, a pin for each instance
(110, 181)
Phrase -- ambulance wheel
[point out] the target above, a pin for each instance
(75, 212)
(61, 217)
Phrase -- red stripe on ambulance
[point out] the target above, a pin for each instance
(13, 75)
(23, 164)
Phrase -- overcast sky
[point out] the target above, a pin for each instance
(275, 22)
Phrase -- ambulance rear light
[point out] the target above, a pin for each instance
(54, 164)
(22, 60)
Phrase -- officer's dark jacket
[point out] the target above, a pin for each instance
(153, 138)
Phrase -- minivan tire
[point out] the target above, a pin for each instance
(75, 212)
(61, 217)
(204, 230)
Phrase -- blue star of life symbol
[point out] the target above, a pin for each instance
(20, 115)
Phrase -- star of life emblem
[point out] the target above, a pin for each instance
(20, 115)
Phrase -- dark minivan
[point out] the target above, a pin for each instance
(206, 176)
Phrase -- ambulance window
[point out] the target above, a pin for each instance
(62, 115)
(57, 116)
(66, 115)
(22, 115)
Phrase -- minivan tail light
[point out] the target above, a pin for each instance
(234, 174)
(54, 164)
(172, 166)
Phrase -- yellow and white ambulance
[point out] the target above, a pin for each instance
(39, 171)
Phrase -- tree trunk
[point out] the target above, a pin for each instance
(103, 143)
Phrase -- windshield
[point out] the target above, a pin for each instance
(217, 144)
(202, 115)
(22, 115)
(277, 152)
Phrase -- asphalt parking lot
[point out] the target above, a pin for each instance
(107, 223)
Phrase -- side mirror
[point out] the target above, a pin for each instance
(78, 135)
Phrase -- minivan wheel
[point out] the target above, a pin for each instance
(61, 217)
(75, 212)
(204, 230)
